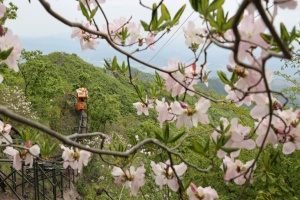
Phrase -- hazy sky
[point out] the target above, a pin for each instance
(33, 21)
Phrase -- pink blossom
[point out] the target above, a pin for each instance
(164, 115)
(150, 40)
(289, 117)
(134, 32)
(188, 116)
(261, 109)
(165, 175)
(237, 139)
(2, 10)
(261, 131)
(4, 133)
(87, 40)
(250, 29)
(236, 170)
(291, 141)
(192, 35)
(76, 159)
(288, 130)
(133, 179)
(143, 108)
(91, 2)
(207, 193)
(26, 155)
(178, 81)
(6, 42)
(16, 157)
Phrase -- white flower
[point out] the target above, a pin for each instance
(4, 133)
(165, 175)
(76, 159)
(8, 41)
(2, 10)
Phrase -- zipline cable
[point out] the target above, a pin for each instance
(170, 37)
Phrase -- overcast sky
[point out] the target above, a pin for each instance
(33, 21)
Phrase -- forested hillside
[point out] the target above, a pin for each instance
(49, 81)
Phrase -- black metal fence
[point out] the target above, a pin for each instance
(45, 181)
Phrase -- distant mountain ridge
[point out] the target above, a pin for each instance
(176, 50)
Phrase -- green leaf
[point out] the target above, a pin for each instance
(264, 178)
(164, 25)
(114, 64)
(202, 6)
(4, 54)
(158, 137)
(266, 161)
(228, 24)
(212, 21)
(178, 15)
(229, 150)
(284, 33)
(266, 37)
(145, 25)
(176, 137)
(165, 15)
(227, 128)
(197, 147)
(220, 18)
(93, 13)
(107, 65)
(215, 5)
(195, 5)
(223, 77)
(271, 178)
(166, 132)
(234, 78)
(84, 11)
(207, 145)
(154, 22)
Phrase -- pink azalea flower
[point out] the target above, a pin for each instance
(250, 30)
(207, 193)
(289, 116)
(261, 131)
(176, 84)
(134, 32)
(237, 139)
(143, 108)
(133, 179)
(236, 170)
(165, 175)
(6, 42)
(261, 109)
(2, 10)
(188, 116)
(150, 40)
(76, 159)
(288, 132)
(16, 157)
(91, 2)
(26, 155)
(291, 141)
(87, 40)
(164, 115)
(192, 35)
(4, 133)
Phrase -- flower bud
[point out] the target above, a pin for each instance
(193, 187)
(229, 68)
